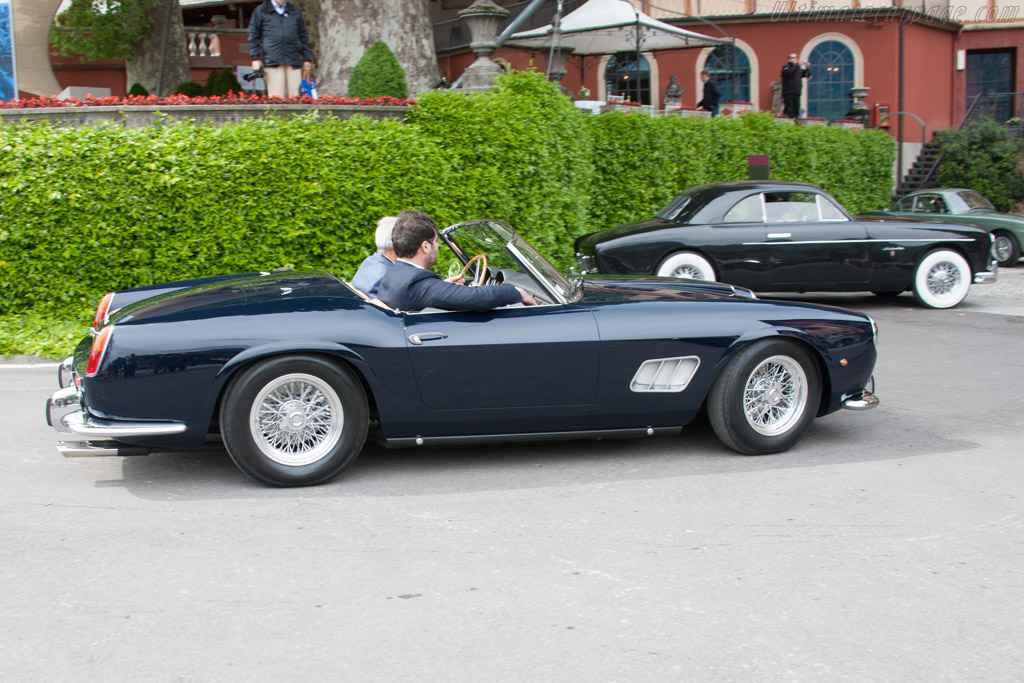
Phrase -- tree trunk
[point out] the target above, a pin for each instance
(348, 27)
(144, 65)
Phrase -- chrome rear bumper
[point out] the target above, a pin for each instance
(84, 435)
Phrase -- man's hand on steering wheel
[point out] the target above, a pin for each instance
(481, 276)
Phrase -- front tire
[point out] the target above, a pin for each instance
(1007, 249)
(686, 265)
(766, 397)
(942, 279)
(294, 420)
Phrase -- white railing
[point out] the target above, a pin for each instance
(202, 43)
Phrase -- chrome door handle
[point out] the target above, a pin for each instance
(426, 336)
(779, 235)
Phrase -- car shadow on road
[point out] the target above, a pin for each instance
(381, 472)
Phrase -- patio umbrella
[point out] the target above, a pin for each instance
(604, 27)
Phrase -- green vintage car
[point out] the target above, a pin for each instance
(957, 205)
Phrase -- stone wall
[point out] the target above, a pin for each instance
(138, 116)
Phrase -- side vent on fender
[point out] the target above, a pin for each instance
(665, 374)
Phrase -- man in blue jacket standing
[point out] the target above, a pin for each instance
(279, 45)
(410, 286)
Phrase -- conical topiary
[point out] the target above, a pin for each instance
(221, 82)
(137, 90)
(378, 73)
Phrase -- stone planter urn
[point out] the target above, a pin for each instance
(483, 18)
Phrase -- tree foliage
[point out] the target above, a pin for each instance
(983, 156)
(102, 29)
(378, 73)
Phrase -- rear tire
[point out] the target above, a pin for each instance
(686, 265)
(1007, 249)
(294, 420)
(766, 397)
(942, 279)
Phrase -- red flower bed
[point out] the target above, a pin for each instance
(179, 100)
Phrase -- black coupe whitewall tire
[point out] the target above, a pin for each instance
(1007, 250)
(294, 421)
(766, 397)
(942, 279)
(686, 265)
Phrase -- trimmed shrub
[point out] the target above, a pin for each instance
(101, 207)
(221, 82)
(983, 156)
(189, 89)
(377, 73)
(137, 90)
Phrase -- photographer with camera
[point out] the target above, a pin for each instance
(279, 47)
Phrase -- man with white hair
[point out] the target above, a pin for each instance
(371, 270)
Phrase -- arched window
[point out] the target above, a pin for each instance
(625, 77)
(729, 67)
(828, 88)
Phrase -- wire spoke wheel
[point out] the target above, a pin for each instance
(766, 397)
(943, 278)
(296, 419)
(775, 395)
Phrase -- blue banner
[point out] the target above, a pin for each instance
(8, 74)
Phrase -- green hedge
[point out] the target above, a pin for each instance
(95, 208)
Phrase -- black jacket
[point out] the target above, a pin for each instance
(409, 288)
(278, 39)
(711, 95)
(792, 75)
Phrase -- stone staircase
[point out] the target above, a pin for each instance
(923, 172)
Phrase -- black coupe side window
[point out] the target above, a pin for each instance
(790, 207)
(747, 210)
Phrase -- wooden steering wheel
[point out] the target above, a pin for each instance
(482, 274)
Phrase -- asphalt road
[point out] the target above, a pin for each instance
(887, 546)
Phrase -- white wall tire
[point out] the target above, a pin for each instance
(942, 279)
(686, 265)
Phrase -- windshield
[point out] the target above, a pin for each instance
(507, 253)
(974, 200)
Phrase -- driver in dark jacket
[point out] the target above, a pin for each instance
(410, 286)
(279, 45)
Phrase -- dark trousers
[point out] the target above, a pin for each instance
(791, 105)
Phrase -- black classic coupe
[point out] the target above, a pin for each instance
(293, 371)
(793, 237)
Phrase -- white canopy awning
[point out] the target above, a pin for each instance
(604, 27)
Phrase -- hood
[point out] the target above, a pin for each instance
(247, 295)
(585, 244)
(615, 289)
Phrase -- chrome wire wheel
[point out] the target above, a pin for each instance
(296, 419)
(1003, 247)
(775, 395)
(943, 278)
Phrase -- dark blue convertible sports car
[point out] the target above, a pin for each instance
(294, 370)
